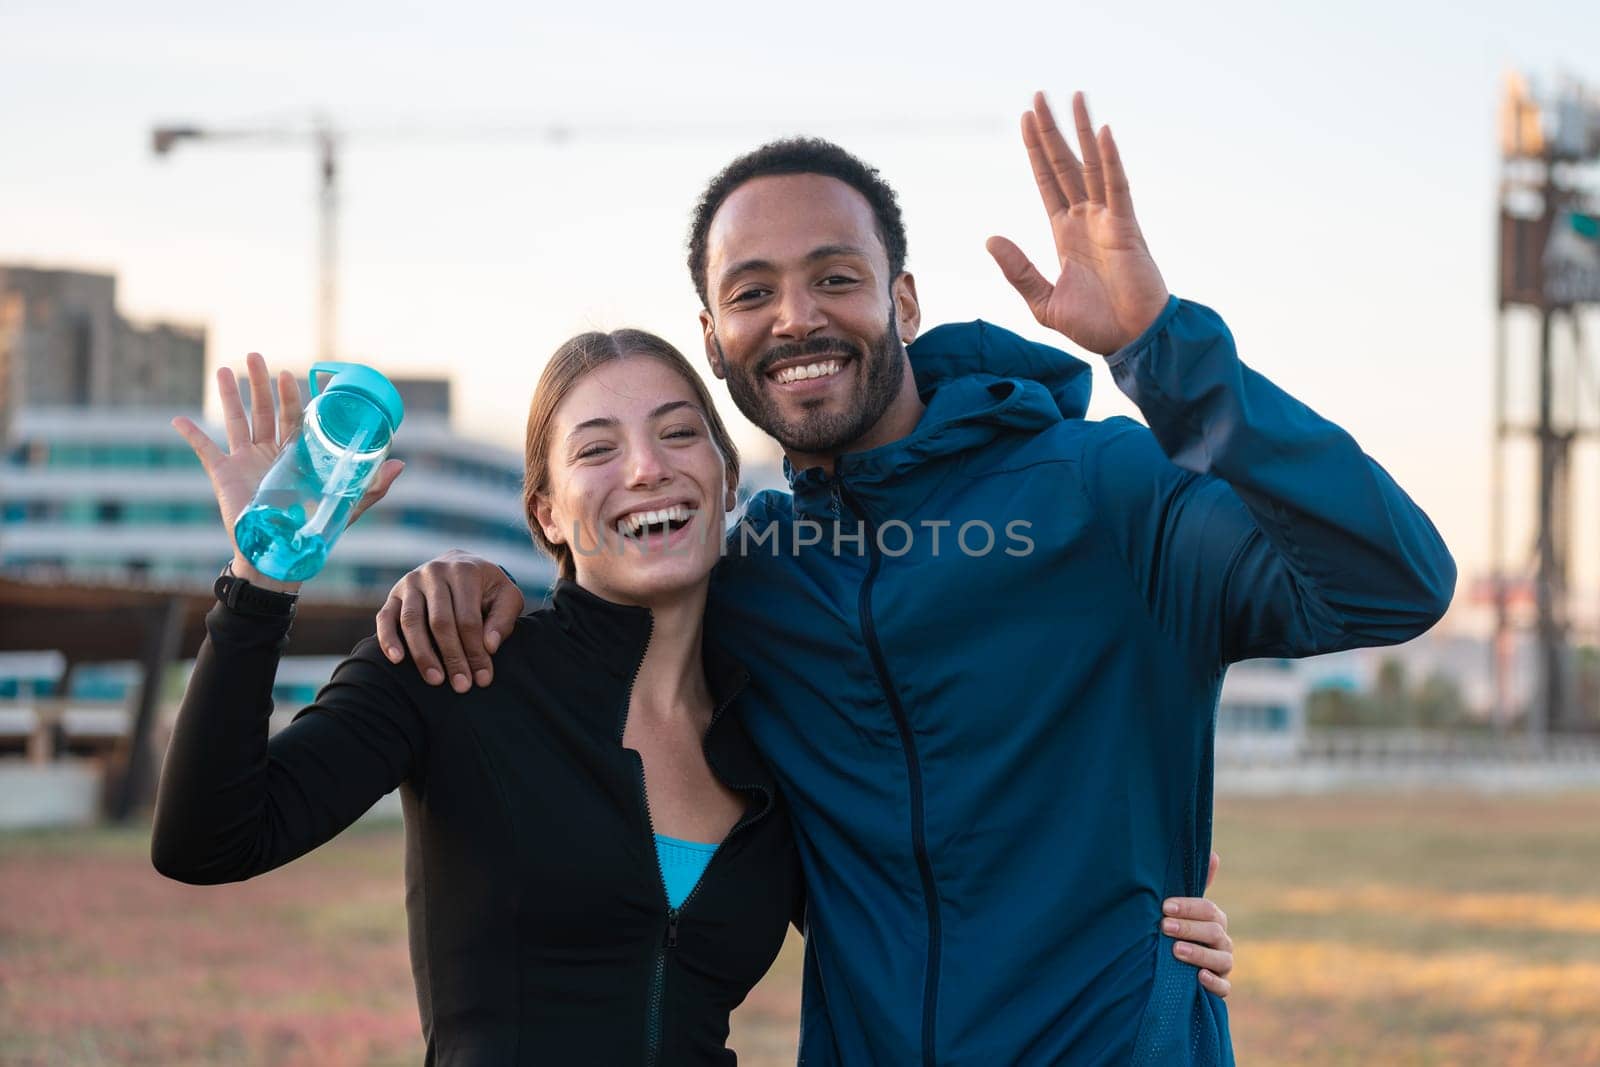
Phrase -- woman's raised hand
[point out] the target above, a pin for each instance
(254, 441)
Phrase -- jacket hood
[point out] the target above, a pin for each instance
(958, 349)
(978, 382)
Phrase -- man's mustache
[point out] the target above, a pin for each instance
(815, 346)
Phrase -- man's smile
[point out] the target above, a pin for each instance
(812, 373)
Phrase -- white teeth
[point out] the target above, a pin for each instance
(809, 370)
(632, 523)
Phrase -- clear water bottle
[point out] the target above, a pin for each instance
(304, 502)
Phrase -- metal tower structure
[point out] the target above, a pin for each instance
(1549, 274)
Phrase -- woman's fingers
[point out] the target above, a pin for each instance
(1214, 960)
(1213, 935)
(233, 416)
(258, 427)
(1198, 908)
(1215, 983)
(380, 485)
(262, 422)
(1200, 930)
(288, 407)
(204, 447)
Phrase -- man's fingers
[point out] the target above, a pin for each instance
(263, 423)
(1055, 201)
(466, 593)
(389, 628)
(1093, 181)
(445, 630)
(1215, 984)
(1022, 275)
(1214, 960)
(1058, 152)
(505, 604)
(378, 489)
(203, 445)
(413, 616)
(233, 417)
(288, 407)
(1119, 199)
(1211, 871)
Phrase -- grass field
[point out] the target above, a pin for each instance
(1392, 930)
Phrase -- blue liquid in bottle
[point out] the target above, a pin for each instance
(305, 501)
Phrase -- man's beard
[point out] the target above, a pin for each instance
(882, 371)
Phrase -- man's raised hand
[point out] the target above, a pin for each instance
(1109, 289)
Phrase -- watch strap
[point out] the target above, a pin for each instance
(246, 599)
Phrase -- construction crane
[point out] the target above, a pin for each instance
(328, 140)
(322, 136)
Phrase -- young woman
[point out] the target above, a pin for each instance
(598, 865)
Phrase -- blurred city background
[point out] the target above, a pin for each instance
(1396, 207)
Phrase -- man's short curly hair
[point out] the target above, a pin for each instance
(798, 155)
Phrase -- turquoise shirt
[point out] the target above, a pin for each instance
(682, 864)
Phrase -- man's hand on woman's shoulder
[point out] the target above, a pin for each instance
(450, 614)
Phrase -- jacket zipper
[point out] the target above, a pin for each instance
(669, 940)
(919, 843)
(658, 977)
(658, 974)
(744, 821)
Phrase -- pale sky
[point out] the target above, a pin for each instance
(1323, 175)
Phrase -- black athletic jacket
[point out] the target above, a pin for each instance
(539, 925)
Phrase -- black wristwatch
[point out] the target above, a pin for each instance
(249, 599)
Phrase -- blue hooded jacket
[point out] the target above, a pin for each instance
(985, 664)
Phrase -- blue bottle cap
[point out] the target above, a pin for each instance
(363, 380)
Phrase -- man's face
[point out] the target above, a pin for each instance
(803, 322)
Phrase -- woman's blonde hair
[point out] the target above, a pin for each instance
(570, 364)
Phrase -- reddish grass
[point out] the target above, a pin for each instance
(1370, 929)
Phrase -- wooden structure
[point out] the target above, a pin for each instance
(154, 627)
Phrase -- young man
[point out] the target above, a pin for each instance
(986, 635)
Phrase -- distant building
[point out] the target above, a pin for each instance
(117, 496)
(95, 485)
(1262, 710)
(424, 396)
(158, 365)
(63, 343)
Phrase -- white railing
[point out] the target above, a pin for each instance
(1371, 748)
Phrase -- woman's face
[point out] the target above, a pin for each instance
(637, 487)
